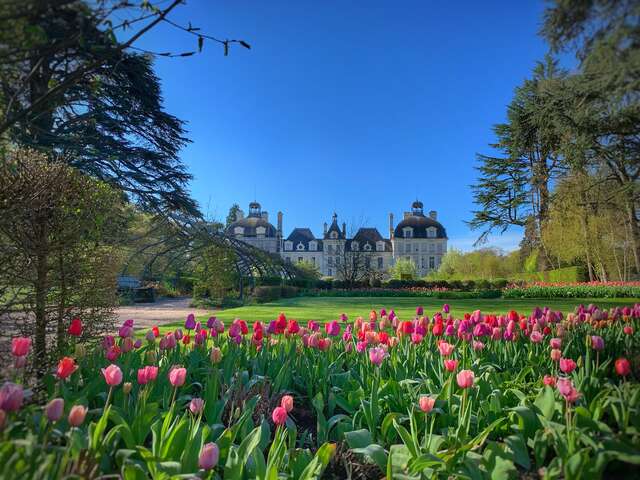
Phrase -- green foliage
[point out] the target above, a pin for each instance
(573, 291)
(403, 269)
(484, 263)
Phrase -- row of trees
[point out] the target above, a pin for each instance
(567, 167)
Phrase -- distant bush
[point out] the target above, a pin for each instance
(264, 294)
(567, 274)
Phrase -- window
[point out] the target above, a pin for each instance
(330, 272)
(288, 245)
(330, 262)
(367, 247)
(380, 246)
(380, 263)
(238, 230)
(439, 248)
(417, 248)
(432, 248)
(354, 246)
(407, 248)
(330, 248)
(260, 231)
(337, 261)
(334, 235)
(407, 232)
(313, 246)
(424, 247)
(422, 262)
(432, 263)
(300, 246)
(431, 232)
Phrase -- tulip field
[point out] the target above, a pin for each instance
(522, 395)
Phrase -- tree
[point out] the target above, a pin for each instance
(514, 189)
(69, 85)
(403, 269)
(599, 123)
(352, 265)
(232, 215)
(59, 231)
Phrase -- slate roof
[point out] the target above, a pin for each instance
(304, 236)
(419, 223)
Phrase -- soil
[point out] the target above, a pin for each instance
(160, 312)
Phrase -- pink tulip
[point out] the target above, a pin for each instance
(54, 409)
(196, 405)
(377, 355)
(112, 375)
(451, 365)
(628, 330)
(177, 376)
(77, 415)
(445, 349)
(535, 337)
(426, 403)
(279, 415)
(445, 308)
(556, 355)
(332, 328)
(567, 390)
(477, 346)
(549, 380)
(555, 343)
(216, 355)
(286, 402)
(20, 346)
(597, 343)
(11, 397)
(567, 365)
(416, 338)
(208, 456)
(465, 378)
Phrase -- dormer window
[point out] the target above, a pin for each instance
(238, 230)
(380, 246)
(334, 235)
(355, 246)
(288, 245)
(313, 246)
(300, 246)
(408, 232)
(431, 232)
(260, 231)
(367, 247)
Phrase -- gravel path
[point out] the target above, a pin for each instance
(162, 311)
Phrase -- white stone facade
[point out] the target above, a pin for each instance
(420, 238)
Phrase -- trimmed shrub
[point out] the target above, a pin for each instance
(264, 294)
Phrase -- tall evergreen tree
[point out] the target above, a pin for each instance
(513, 189)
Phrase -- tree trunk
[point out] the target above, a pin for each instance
(634, 228)
(41, 287)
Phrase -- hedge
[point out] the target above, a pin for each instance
(385, 292)
(567, 274)
(572, 291)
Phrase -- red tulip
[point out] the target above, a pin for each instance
(623, 367)
(75, 328)
(66, 366)
(20, 346)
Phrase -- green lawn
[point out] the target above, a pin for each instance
(326, 308)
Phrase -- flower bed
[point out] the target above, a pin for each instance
(519, 394)
(574, 290)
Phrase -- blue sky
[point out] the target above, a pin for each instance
(352, 106)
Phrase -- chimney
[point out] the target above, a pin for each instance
(344, 229)
(265, 215)
(325, 228)
(280, 223)
(391, 225)
(406, 214)
(239, 214)
(433, 214)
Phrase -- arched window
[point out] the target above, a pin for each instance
(300, 246)
(354, 246)
(367, 247)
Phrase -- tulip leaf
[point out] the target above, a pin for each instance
(321, 459)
